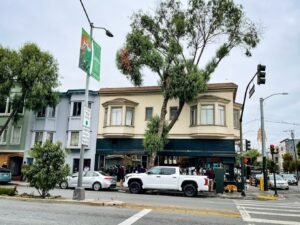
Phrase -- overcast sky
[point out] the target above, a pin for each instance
(55, 25)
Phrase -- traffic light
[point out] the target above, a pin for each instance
(261, 74)
(272, 149)
(248, 145)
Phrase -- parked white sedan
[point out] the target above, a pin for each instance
(280, 182)
(95, 180)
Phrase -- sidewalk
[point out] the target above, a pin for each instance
(252, 193)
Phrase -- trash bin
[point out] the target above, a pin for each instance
(261, 184)
(219, 178)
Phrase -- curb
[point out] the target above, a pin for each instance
(67, 201)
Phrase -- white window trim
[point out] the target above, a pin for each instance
(41, 117)
(11, 136)
(81, 110)
(122, 115)
(69, 139)
(6, 112)
(132, 118)
(53, 137)
(33, 137)
(219, 118)
(2, 136)
(214, 116)
(48, 112)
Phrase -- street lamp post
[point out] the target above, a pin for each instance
(263, 139)
(79, 193)
(295, 152)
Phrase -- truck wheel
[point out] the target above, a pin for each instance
(189, 190)
(135, 187)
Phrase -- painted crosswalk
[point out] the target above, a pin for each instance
(271, 212)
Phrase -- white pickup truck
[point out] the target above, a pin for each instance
(166, 178)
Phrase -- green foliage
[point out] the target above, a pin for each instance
(252, 155)
(33, 73)
(48, 168)
(152, 142)
(298, 149)
(171, 43)
(8, 191)
(271, 166)
(288, 164)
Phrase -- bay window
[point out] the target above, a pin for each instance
(116, 116)
(207, 114)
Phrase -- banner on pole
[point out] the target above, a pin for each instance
(85, 57)
(95, 68)
(89, 59)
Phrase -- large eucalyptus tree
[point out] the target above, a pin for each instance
(171, 42)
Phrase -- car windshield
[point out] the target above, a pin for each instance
(271, 177)
(290, 176)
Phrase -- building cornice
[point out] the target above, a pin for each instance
(120, 101)
(214, 87)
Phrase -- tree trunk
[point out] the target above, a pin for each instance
(160, 129)
(163, 113)
(181, 104)
(152, 159)
(12, 114)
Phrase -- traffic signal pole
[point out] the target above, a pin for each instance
(241, 137)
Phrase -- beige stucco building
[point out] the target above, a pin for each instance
(204, 134)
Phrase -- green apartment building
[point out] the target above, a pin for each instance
(12, 140)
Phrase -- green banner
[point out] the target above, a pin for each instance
(85, 51)
(96, 61)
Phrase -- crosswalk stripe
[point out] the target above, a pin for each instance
(272, 206)
(270, 213)
(271, 221)
(286, 210)
(270, 209)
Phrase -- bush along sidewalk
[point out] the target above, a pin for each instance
(8, 191)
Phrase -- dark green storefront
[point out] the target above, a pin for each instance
(195, 151)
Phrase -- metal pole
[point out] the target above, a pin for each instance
(293, 139)
(79, 192)
(263, 142)
(242, 161)
(241, 136)
(274, 176)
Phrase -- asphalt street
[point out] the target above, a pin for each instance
(152, 208)
(36, 213)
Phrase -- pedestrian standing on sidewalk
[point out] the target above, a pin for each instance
(211, 176)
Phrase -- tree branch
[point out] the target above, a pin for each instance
(12, 114)
(181, 104)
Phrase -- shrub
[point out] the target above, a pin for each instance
(8, 191)
(48, 168)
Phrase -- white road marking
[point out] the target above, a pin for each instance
(135, 217)
(270, 206)
(269, 209)
(247, 215)
(270, 213)
(271, 221)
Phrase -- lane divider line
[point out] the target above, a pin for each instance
(135, 217)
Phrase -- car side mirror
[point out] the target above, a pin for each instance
(149, 173)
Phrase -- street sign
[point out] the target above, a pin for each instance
(85, 137)
(252, 90)
(86, 117)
